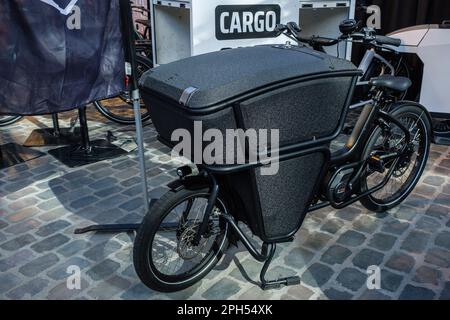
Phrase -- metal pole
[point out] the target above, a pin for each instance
(85, 142)
(140, 142)
(56, 128)
(130, 54)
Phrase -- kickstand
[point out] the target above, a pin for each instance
(275, 284)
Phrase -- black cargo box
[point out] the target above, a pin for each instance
(303, 93)
(299, 91)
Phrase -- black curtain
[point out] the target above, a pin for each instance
(48, 65)
(397, 14)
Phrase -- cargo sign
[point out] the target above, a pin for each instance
(247, 21)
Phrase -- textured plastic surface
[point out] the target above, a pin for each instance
(274, 206)
(223, 75)
(285, 196)
(300, 112)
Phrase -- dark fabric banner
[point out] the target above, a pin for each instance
(398, 14)
(58, 55)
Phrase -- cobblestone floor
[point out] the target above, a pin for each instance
(42, 202)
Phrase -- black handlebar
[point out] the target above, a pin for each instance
(366, 36)
(383, 40)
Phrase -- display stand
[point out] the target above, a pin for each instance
(12, 154)
(127, 22)
(184, 28)
(322, 18)
(77, 155)
(55, 136)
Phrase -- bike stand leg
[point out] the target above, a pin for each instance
(55, 136)
(115, 228)
(275, 284)
(88, 152)
(108, 228)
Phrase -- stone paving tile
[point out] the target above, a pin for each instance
(22, 227)
(222, 290)
(416, 293)
(23, 214)
(401, 262)
(351, 279)
(332, 226)
(390, 281)
(425, 274)
(16, 259)
(437, 211)
(39, 265)
(348, 214)
(382, 241)
(317, 275)
(300, 292)
(43, 202)
(102, 250)
(374, 295)
(138, 292)
(8, 281)
(60, 272)
(103, 269)
(335, 255)
(415, 242)
(366, 224)
(61, 292)
(52, 227)
(428, 225)
(29, 289)
(334, 294)
(395, 227)
(18, 243)
(438, 257)
(317, 241)
(367, 257)
(50, 243)
(351, 238)
(109, 288)
(443, 240)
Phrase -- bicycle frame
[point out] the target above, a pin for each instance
(369, 57)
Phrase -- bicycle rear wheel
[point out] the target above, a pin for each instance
(7, 120)
(120, 109)
(409, 167)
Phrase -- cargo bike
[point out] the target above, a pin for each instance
(303, 93)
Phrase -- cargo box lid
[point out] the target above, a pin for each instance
(213, 78)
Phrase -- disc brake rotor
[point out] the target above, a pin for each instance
(185, 247)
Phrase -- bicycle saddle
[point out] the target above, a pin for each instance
(391, 82)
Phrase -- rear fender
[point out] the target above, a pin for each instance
(399, 104)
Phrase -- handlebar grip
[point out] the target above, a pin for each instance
(388, 41)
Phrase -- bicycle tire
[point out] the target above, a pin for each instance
(147, 64)
(8, 120)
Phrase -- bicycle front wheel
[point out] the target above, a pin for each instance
(165, 255)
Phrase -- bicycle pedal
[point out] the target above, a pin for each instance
(376, 164)
(277, 284)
